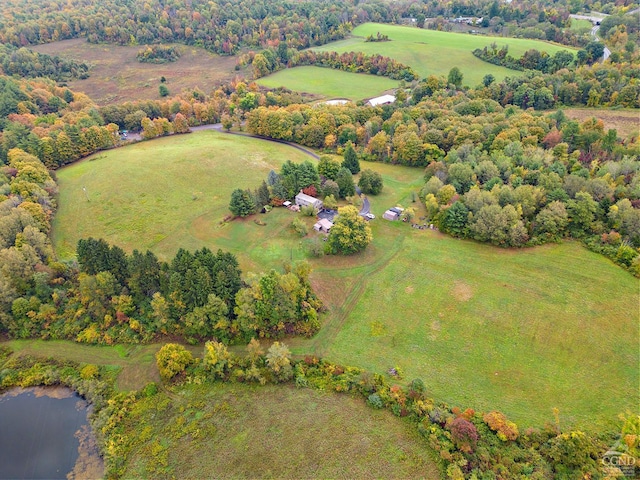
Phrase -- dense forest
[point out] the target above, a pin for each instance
(224, 27)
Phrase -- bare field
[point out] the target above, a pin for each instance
(626, 122)
(116, 75)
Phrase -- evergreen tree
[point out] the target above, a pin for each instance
(262, 195)
(455, 77)
(345, 183)
(272, 178)
(455, 219)
(242, 203)
(351, 159)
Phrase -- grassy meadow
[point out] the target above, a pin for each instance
(329, 83)
(116, 75)
(166, 194)
(520, 331)
(245, 431)
(625, 121)
(430, 52)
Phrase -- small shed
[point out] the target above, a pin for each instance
(302, 200)
(392, 214)
(389, 215)
(286, 204)
(323, 225)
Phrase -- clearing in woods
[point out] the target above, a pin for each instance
(430, 52)
(116, 76)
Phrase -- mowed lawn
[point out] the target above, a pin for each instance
(430, 52)
(581, 25)
(522, 332)
(329, 82)
(166, 194)
(248, 431)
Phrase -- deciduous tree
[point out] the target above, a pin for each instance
(370, 182)
(350, 232)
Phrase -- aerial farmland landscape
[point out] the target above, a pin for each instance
(281, 239)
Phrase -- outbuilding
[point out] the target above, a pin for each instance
(323, 225)
(393, 213)
(382, 100)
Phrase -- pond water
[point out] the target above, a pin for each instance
(45, 433)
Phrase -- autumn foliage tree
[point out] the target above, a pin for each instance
(172, 360)
(350, 232)
(498, 422)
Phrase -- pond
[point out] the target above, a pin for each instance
(45, 433)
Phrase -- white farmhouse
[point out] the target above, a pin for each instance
(302, 200)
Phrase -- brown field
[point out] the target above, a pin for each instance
(116, 75)
(626, 122)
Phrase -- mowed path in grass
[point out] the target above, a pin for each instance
(522, 332)
(249, 431)
(430, 52)
(329, 82)
(166, 194)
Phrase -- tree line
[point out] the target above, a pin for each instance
(217, 26)
(469, 443)
(531, 60)
(27, 63)
(115, 297)
(268, 61)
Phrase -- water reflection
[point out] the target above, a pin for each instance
(44, 434)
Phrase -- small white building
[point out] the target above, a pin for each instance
(382, 100)
(323, 225)
(302, 200)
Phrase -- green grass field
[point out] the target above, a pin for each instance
(166, 194)
(329, 83)
(581, 25)
(521, 331)
(431, 52)
(243, 431)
